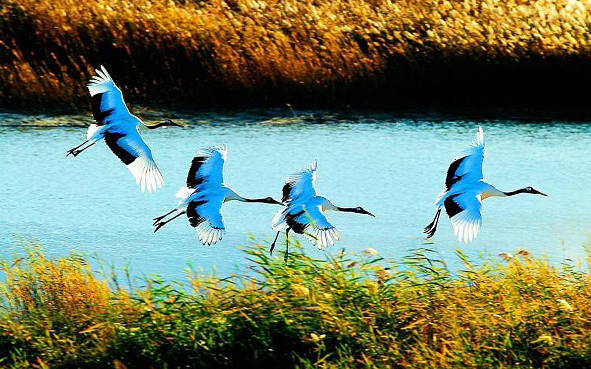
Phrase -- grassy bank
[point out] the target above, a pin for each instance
(310, 53)
(347, 312)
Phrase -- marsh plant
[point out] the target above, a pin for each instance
(313, 52)
(344, 311)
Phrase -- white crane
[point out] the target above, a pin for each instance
(118, 127)
(464, 191)
(205, 194)
(304, 211)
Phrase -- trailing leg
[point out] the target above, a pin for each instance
(286, 244)
(273, 244)
(161, 224)
(157, 219)
(75, 151)
(432, 227)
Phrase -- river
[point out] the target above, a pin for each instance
(392, 166)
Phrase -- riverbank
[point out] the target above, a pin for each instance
(347, 312)
(310, 54)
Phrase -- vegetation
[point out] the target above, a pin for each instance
(305, 52)
(344, 312)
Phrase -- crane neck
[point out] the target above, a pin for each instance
(348, 210)
(511, 193)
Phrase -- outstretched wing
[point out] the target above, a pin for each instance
(207, 219)
(107, 99)
(133, 152)
(207, 166)
(320, 231)
(464, 211)
(300, 186)
(469, 166)
(309, 221)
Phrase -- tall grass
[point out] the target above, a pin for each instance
(350, 311)
(303, 52)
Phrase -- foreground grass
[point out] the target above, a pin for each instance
(344, 312)
(303, 52)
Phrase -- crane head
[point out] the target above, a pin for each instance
(533, 191)
(361, 210)
(270, 200)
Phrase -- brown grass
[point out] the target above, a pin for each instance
(313, 52)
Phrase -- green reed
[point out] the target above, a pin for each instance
(346, 311)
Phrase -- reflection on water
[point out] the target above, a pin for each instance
(393, 167)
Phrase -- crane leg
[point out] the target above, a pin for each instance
(75, 151)
(159, 225)
(79, 145)
(273, 244)
(432, 227)
(157, 219)
(286, 244)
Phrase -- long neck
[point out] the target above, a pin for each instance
(350, 210)
(511, 193)
(254, 200)
(233, 196)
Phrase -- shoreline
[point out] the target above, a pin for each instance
(328, 115)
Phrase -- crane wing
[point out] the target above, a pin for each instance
(464, 211)
(207, 166)
(131, 149)
(469, 166)
(320, 231)
(309, 221)
(107, 99)
(300, 186)
(207, 219)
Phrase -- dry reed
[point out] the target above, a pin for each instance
(307, 52)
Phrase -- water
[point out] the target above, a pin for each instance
(393, 167)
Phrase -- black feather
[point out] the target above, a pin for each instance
(192, 179)
(452, 178)
(451, 206)
(112, 140)
(287, 192)
(98, 114)
(194, 218)
(292, 223)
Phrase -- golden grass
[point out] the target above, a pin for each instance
(343, 312)
(272, 51)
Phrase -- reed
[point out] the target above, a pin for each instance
(306, 52)
(347, 311)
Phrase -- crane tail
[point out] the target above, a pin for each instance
(432, 227)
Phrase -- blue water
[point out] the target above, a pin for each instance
(393, 167)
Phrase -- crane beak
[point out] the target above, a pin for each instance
(368, 213)
(540, 193)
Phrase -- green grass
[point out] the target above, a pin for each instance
(310, 53)
(350, 311)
